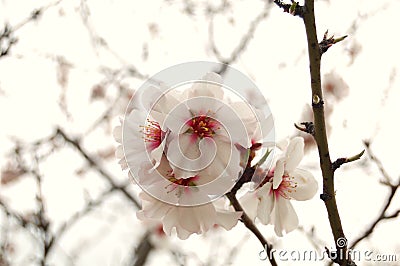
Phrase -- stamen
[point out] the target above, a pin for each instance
(203, 126)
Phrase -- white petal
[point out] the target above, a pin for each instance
(294, 153)
(188, 219)
(234, 125)
(278, 173)
(307, 186)
(282, 144)
(156, 155)
(206, 215)
(170, 220)
(226, 161)
(266, 203)
(249, 203)
(228, 219)
(176, 119)
(182, 233)
(284, 217)
(211, 86)
(159, 99)
(203, 105)
(153, 208)
(119, 152)
(117, 133)
(182, 151)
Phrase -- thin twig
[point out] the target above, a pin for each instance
(92, 162)
(251, 226)
(393, 189)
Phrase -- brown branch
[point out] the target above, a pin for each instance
(320, 135)
(143, 250)
(377, 162)
(76, 217)
(381, 216)
(243, 43)
(393, 189)
(339, 162)
(93, 163)
(251, 226)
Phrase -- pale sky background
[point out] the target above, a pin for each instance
(153, 35)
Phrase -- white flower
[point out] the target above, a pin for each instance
(186, 149)
(143, 130)
(185, 220)
(146, 139)
(270, 203)
(204, 131)
(175, 202)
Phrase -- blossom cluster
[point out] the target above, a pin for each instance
(187, 147)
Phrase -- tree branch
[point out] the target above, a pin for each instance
(251, 226)
(320, 135)
(75, 143)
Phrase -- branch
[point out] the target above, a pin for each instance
(92, 162)
(308, 127)
(377, 162)
(380, 218)
(243, 43)
(142, 252)
(339, 162)
(320, 135)
(77, 216)
(251, 226)
(393, 189)
(294, 9)
(245, 178)
(327, 43)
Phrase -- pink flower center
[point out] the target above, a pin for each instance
(202, 126)
(287, 186)
(152, 134)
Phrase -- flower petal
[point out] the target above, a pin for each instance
(278, 173)
(227, 219)
(249, 203)
(210, 86)
(152, 208)
(307, 186)
(181, 151)
(117, 133)
(294, 154)
(266, 203)
(284, 217)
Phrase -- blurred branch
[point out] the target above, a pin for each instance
(377, 162)
(316, 242)
(243, 43)
(7, 39)
(142, 251)
(78, 216)
(393, 187)
(93, 163)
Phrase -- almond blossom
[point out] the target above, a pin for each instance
(143, 129)
(145, 140)
(187, 219)
(204, 132)
(187, 148)
(270, 203)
